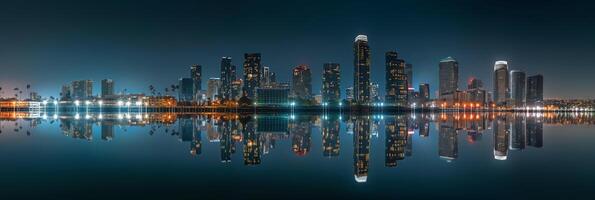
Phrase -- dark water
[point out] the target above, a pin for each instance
(429, 156)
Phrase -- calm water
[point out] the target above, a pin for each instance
(479, 156)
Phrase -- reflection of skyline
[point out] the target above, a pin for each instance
(259, 135)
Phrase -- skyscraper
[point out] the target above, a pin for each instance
(66, 93)
(251, 73)
(213, 88)
(409, 72)
(517, 88)
(501, 88)
(449, 76)
(474, 83)
(535, 91)
(396, 80)
(196, 76)
(361, 148)
(301, 82)
(107, 88)
(228, 75)
(186, 90)
(349, 94)
(331, 81)
(424, 91)
(361, 76)
(82, 89)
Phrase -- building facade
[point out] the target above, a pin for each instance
(82, 89)
(449, 77)
(252, 69)
(107, 87)
(517, 88)
(186, 91)
(396, 80)
(501, 83)
(228, 76)
(272, 96)
(301, 82)
(196, 76)
(535, 91)
(361, 76)
(331, 83)
(213, 88)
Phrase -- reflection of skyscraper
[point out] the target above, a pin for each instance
(251, 73)
(424, 129)
(501, 134)
(251, 143)
(330, 137)
(361, 75)
(226, 143)
(396, 139)
(301, 137)
(186, 129)
(396, 80)
(447, 142)
(501, 88)
(449, 76)
(361, 148)
(534, 132)
(517, 88)
(518, 134)
(331, 79)
(107, 130)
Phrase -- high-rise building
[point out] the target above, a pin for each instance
(361, 148)
(501, 137)
(301, 82)
(374, 92)
(501, 87)
(474, 83)
(213, 88)
(236, 89)
(252, 69)
(395, 140)
(361, 76)
(82, 89)
(535, 91)
(447, 141)
(349, 94)
(267, 77)
(186, 90)
(228, 75)
(409, 72)
(517, 88)
(331, 142)
(196, 76)
(424, 91)
(66, 93)
(396, 80)
(331, 81)
(449, 77)
(107, 87)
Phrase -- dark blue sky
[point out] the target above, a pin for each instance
(137, 43)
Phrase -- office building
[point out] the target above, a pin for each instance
(361, 75)
(186, 90)
(252, 70)
(409, 73)
(517, 88)
(213, 88)
(228, 76)
(107, 87)
(66, 93)
(396, 80)
(196, 76)
(501, 87)
(301, 82)
(474, 83)
(448, 77)
(272, 96)
(424, 92)
(82, 89)
(534, 91)
(331, 82)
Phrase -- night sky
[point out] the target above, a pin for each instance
(50, 43)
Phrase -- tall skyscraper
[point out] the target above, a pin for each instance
(361, 148)
(331, 81)
(449, 76)
(228, 75)
(501, 88)
(349, 94)
(107, 88)
(186, 90)
(252, 69)
(374, 92)
(535, 91)
(517, 88)
(265, 80)
(82, 89)
(331, 142)
(361, 76)
(424, 91)
(213, 88)
(196, 76)
(396, 80)
(301, 82)
(409, 72)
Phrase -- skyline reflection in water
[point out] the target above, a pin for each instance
(253, 140)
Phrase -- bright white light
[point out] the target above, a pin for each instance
(55, 116)
(128, 103)
(382, 104)
(44, 102)
(340, 103)
(100, 102)
(87, 102)
(120, 116)
(120, 103)
(55, 102)
(138, 103)
(45, 116)
(77, 103)
(87, 116)
(77, 116)
(139, 116)
(100, 116)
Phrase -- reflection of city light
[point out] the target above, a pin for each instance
(77, 116)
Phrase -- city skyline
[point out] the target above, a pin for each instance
(154, 57)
